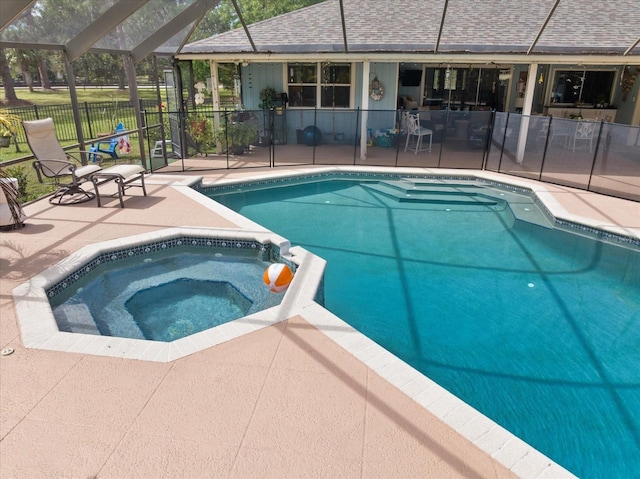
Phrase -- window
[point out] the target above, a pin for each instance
(325, 84)
(582, 86)
(303, 79)
(450, 79)
(462, 87)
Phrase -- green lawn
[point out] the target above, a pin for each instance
(60, 96)
(64, 124)
(31, 188)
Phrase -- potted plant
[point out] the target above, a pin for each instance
(201, 133)
(9, 124)
(267, 97)
(236, 136)
(601, 101)
(5, 138)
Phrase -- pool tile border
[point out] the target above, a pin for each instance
(270, 253)
(622, 238)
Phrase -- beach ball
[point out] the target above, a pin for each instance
(277, 277)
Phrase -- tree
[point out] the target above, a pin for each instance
(224, 17)
(44, 73)
(26, 61)
(9, 90)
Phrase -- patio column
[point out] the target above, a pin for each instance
(526, 111)
(215, 96)
(73, 94)
(366, 69)
(130, 70)
(161, 117)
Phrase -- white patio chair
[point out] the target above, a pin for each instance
(559, 135)
(584, 133)
(416, 133)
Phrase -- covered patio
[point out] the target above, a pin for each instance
(525, 56)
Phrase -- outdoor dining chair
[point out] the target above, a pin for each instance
(56, 166)
(415, 134)
(584, 133)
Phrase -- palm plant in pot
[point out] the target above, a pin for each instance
(202, 134)
(9, 124)
(268, 98)
(235, 137)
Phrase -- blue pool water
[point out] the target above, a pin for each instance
(183, 306)
(537, 328)
(164, 296)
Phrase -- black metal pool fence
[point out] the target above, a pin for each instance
(591, 155)
(96, 118)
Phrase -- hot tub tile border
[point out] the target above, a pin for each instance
(269, 253)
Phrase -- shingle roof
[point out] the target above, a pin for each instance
(412, 26)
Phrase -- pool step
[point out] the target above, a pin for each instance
(462, 193)
(75, 318)
(406, 193)
(522, 206)
(410, 186)
(438, 183)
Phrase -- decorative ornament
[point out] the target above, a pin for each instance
(199, 97)
(376, 89)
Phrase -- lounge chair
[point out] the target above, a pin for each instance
(55, 166)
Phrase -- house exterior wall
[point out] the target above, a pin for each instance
(387, 73)
(627, 107)
(256, 76)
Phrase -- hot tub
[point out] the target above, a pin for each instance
(162, 295)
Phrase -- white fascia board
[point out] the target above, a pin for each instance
(483, 59)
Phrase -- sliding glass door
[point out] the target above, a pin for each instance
(465, 88)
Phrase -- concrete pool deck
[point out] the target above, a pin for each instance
(284, 401)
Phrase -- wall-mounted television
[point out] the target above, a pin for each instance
(411, 77)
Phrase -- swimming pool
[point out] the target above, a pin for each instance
(535, 327)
